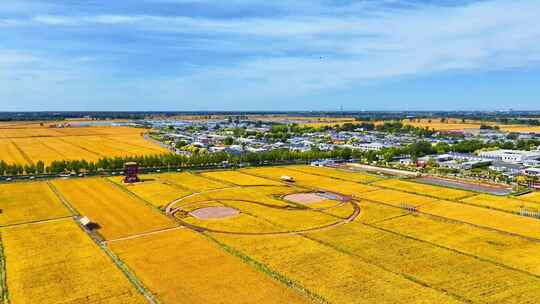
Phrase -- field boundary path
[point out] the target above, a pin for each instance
(23, 154)
(4, 293)
(62, 199)
(134, 236)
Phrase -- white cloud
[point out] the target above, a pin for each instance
(281, 55)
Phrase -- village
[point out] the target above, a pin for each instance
(485, 153)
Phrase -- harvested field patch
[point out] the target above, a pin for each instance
(215, 212)
(57, 262)
(182, 266)
(116, 212)
(29, 202)
(304, 198)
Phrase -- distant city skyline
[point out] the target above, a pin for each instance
(249, 55)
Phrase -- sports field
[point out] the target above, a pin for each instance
(246, 236)
(24, 144)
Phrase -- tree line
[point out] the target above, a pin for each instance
(176, 161)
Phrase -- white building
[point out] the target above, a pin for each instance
(371, 146)
(511, 156)
(532, 171)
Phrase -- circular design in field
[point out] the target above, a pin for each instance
(285, 217)
(213, 213)
(304, 198)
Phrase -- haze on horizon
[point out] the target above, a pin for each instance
(261, 55)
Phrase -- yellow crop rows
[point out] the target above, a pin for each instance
(336, 173)
(397, 198)
(155, 192)
(491, 245)
(28, 202)
(454, 247)
(75, 143)
(465, 277)
(10, 154)
(57, 262)
(312, 181)
(531, 197)
(115, 211)
(520, 225)
(503, 203)
(435, 191)
(333, 275)
(241, 179)
(189, 181)
(182, 267)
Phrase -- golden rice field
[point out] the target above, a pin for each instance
(419, 188)
(154, 191)
(182, 266)
(502, 203)
(239, 178)
(29, 202)
(190, 181)
(520, 225)
(443, 270)
(457, 124)
(311, 181)
(27, 143)
(271, 215)
(116, 212)
(330, 274)
(56, 262)
(531, 197)
(337, 173)
(490, 245)
(175, 234)
(396, 198)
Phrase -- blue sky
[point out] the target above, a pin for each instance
(269, 55)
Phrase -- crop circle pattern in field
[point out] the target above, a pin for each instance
(226, 215)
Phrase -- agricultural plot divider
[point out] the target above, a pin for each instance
(4, 296)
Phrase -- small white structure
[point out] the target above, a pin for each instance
(371, 146)
(532, 171)
(286, 178)
(511, 156)
(85, 221)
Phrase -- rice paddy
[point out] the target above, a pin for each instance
(29, 202)
(24, 144)
(246, 236)
(116, 212)
(56, 262)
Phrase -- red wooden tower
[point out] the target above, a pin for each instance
(131, 170)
